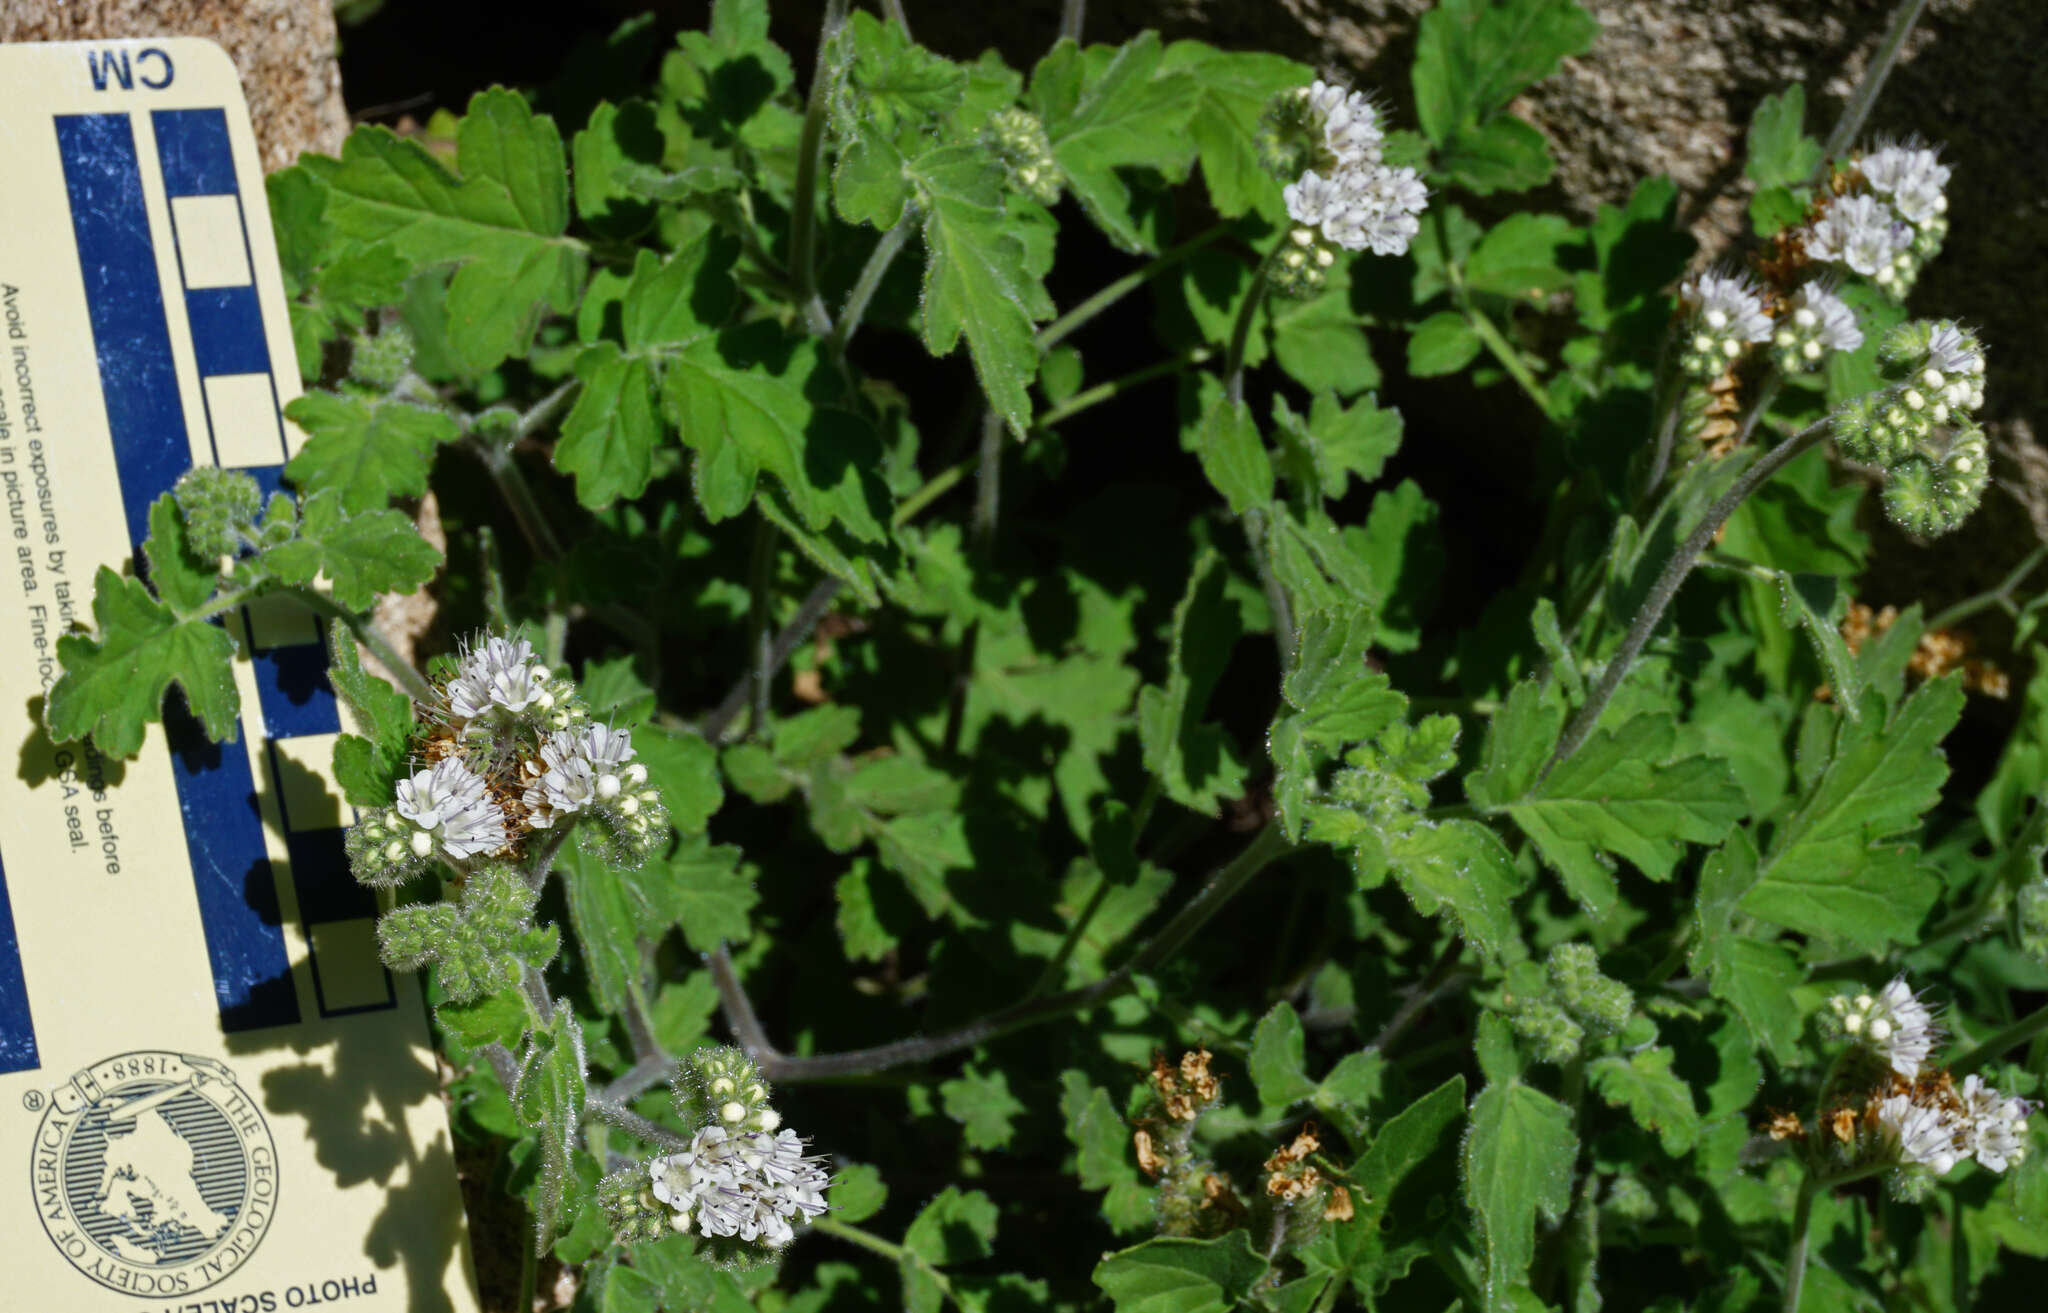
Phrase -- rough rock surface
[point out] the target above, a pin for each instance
(284, 49)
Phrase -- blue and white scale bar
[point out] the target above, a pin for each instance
(233, 873)
(17, 1024)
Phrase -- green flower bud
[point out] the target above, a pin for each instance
(381, 360)
(1302, 267)
(1921, 499)
(1018, 141)
(382, 852)
(723, 1087)
(1549, 1029)
(635, 1214)
(219, 509)
(410, 937)
(1601, 1004)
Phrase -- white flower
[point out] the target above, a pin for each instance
(749, 1184)
(1822, 321)
(1728, 307)
(1895, 1023)
(1913, 177)
(1351, 126)
(1997, 1125)
(448, 805)
(1858, 231)
(1371, 207)
(1922, 1133)
(501, 673)
(578, 770)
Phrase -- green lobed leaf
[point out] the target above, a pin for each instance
(1234, 456)
(1780, 152)
(1462, 866)
(500, 218)
(1391, 1223)
(1657, 1098)
(366, 450)
(957, 1226)
(1505, 154)
(114, 682)
(1517, 1164)
(360, 554)
(183, 579)
(1444, 343)
(1106, 109)
(1520, 256)
(982, 279)
(1837, 866)
(1745, 970)
(548, 1097)
(982, 1103)
(1474, 56)
(1230, 90)
(608, 437)
(1102, 1153)
(1176, 1275)
(1276, 1058)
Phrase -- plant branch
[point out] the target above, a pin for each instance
(1510, 359)
(1060, 329)
(633, 1124)
(874, 1244)
(1874, 74)
(803, 209)
(1241, 330)
(1224, 885)
(1072, 14)
(893, 11)
(871, 274)
(761, 667)
(1115, 387)
(372, 638)
(1666, 587)
(1999, 596)
(2018, 1033)
(1766, 393)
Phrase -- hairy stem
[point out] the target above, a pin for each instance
(633, 1124)
(1060, 329)
(2000, 596)
(874, 1244)
(1670, 398)
(893, 11)
(518, 494)
(1116, 387)
(761, 666)
(2018, 1033)
(803, 208)
(1241, 330)
(1864, 98)
(1766, 393)
(1510, 359)
(1223, 886)
(787, 640)
(871, 273)
(1073, 13)
(372, 638)
(1258, 532)
(1666, 587)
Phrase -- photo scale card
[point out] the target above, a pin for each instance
(212, 1094)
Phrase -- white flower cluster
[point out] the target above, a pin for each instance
(1816, 321)
(1727, 315)
(1888, 232)
(1951, 379)
(576, 770)
(450, 810)
(501, 673)
(749, 1184)
(1356, 201)
(1937, 1130)
(1893, 1022)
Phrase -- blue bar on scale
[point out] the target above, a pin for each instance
(216, 792)
(17, 1026)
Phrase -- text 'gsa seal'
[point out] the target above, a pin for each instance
(154, 1173)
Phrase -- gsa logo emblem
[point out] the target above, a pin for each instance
(154, 1173)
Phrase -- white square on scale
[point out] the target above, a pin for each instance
(243, 411)
(210, 245)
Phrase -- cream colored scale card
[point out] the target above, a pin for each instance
(212, 1095)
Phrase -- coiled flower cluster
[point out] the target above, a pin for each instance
(1725, 315)
(1815, 322)
(1887, 1105)
(1887, 217)
(510, 750)
(1017, 140)
(742, 1183)
(1343, 195)
(1922, 429)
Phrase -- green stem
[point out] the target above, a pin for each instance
(371, 637)
(633, 1124)
(988, 482)
(1802, 1236)
(1058, 965)
(1072, 14)
(760, 582)
(803, 206)
(1223, 886)
(1999, 596)
(934, 488)
(1060, 329)
(1510, 359)
(1666, 587)
(529, 1264)
(893, 11)
(1766, 393)
(874, 1244)
(2018, 1033)
(871, 273)
(1874, 75)
(518, 494)
(1115, 387)
(1258, 535)
(1241, 331)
